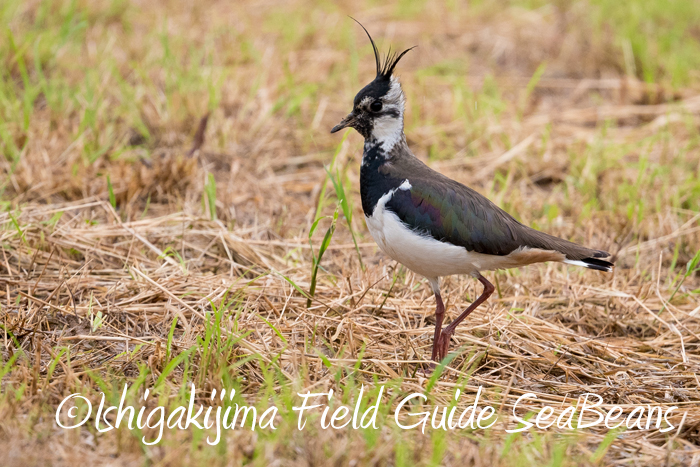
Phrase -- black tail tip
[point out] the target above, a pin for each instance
(598, 264)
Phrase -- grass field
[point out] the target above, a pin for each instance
(163, 165)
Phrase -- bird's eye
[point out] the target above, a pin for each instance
(375, 106)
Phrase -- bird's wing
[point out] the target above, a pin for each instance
(451, 212)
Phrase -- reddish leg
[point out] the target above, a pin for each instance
(439, 316)
(444, 339)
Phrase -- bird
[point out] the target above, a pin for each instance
(433, 225)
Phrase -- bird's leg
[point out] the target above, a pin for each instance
(446, 334)
(439, 316)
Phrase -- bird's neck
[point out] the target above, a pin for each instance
(378, 151)
(387, 131)
(377, 177)
(374, 154)
(387, 137)
(374, 181)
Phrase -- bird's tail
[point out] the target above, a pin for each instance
(591, 263)
(575, 254)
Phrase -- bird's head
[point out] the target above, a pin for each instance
(378, 108)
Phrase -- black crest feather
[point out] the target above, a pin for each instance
(385, 70)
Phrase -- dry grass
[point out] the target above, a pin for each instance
(89, 286)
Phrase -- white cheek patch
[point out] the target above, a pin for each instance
(387, 131)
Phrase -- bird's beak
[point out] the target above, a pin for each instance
(346, 122)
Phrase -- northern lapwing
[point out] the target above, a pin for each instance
(430, 223)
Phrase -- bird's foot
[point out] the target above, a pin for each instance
(444, 343)
(427, 369)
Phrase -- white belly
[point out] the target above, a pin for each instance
(420, 253)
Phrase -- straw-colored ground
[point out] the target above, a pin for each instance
(124, 211)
